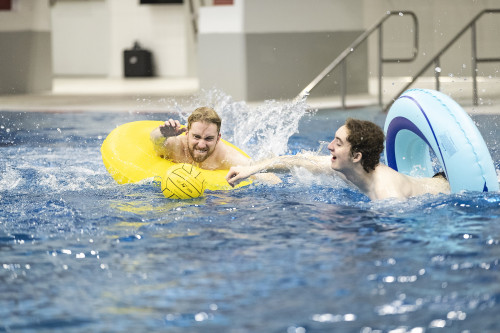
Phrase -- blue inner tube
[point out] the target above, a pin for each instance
(421, 119)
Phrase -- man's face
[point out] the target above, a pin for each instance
(340, 149)
(202, 138)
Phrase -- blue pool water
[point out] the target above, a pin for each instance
(79, 253)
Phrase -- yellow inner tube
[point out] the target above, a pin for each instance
(128, 154)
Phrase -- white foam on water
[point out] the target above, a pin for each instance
(10, 179)
(57, 170)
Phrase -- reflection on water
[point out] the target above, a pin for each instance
(81, 253)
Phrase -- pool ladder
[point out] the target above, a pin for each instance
(474, 58)
(341, 58)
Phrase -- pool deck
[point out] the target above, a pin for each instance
(78, 94)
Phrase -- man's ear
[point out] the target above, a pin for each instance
(356, 157)
(218, 137)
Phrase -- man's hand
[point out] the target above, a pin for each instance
(171, 128)
(237, 174)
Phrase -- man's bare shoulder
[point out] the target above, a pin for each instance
(230, 156)
(430, 185)
(394, 184)
(174, 148)
(389, 183)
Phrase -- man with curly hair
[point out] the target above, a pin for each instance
(355, 156)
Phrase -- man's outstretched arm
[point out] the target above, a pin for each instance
(313, 163)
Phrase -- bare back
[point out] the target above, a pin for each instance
(388, 183)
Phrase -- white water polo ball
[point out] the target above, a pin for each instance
(183, 181)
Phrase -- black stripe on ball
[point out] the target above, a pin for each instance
(187, 181)
(179, 188)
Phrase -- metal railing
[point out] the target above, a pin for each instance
(475, 59)
(341, 58)
(194, 7)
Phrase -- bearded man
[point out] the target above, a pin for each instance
(201, 146)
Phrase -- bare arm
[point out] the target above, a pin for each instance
(162, 136)
(313, 163)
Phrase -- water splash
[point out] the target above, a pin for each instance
(262, 131)
(9, 179)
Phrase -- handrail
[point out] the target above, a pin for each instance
(194, 7)
(475, 59)
(193, 13)
(340, 60)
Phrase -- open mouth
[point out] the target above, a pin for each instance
(199, 155)
(199, 150)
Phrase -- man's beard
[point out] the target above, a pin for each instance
(199, 159)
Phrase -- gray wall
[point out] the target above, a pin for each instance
(26, 62)
(279, 65)
(25, 48)
(439, 22)
(273, 49)
(222, 63)
(288, 42)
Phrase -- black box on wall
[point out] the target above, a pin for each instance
(5, 4)
(137, 63)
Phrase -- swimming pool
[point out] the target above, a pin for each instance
(80, 253)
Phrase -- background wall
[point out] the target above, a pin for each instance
(254, 49)
(81, 38)
(439, 22)
(262, 49)
(25, 48)
(160, 28)
(285, 54)
(89, 37)
(285, 44)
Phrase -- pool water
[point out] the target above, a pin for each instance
(79, 253)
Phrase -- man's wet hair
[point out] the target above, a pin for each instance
(205, 114)
(366, 138)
